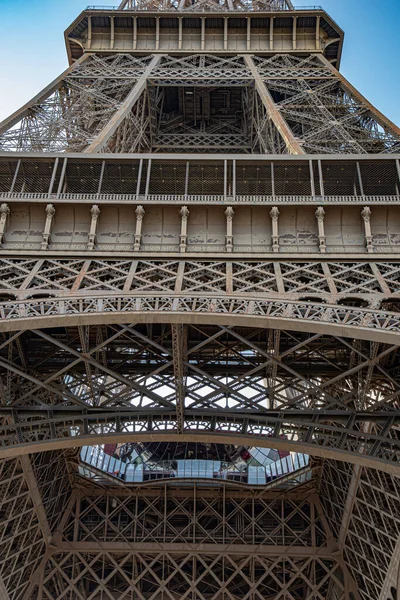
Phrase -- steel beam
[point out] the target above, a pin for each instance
(380, 117)
(22, 112)
(101, 140)
(292, 144)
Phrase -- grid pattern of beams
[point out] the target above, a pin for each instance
(301, 105)
(290, 354)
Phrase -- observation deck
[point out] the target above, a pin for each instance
(205, 27)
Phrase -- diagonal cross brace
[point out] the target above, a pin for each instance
(39, 98)
(291, 142)
(100, 141)
(179, 351)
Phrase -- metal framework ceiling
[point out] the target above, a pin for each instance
(199, 315)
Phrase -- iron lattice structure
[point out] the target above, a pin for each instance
(199, 315)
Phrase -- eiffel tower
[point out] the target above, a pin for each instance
(200, 315)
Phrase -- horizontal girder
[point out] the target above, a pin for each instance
(358, 323)
(312, 393)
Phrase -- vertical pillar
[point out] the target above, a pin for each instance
(184, 212)
(50, 212)
(321, 178)
(248, 39)
(180, 34)
(157, 33)
(312, 182)
(397, 169)
(95, 212)
(225, 178)
(366, 215)
(112, 33)
(187, 178)
(229, 228)
(271, 33)
(225, 33)
(275, 231)
(140, 212)
(4, 212)
(203, 33)
(89, 36)
(317, 35)
(134, 33)
(320, 214)
(294, 33)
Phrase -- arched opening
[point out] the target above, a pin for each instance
(315, 299)
(7, 297)
(353, 302)
(40, 296)
(391, 304)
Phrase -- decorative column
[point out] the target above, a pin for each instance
(229, 229)
(50, 212)
(320, 214)
(184, 212)
(95, 212)
(4, 212)
(140, 212)
(366, 215)
(275, 232)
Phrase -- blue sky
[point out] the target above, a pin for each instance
(32, 51)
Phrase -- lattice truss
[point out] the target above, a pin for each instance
(209, 5)
(312, 392)
(356, 282)
(324, 114)
(295, 550)
(79, 106)
(367, 524)
(119, 103)
(34, 492)
(200, 102)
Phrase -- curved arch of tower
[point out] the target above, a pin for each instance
(200, 315)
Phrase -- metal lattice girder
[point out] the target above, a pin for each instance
(301, 105)
(34, 492)
(208, 5)
(293, 146)
(115, 121)
(323, 111)
(237, 540)
(330, 281)
(142, 575)
(372, 525)
(374, 325)
(224, 392)
(75, 109)
(201, 69)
